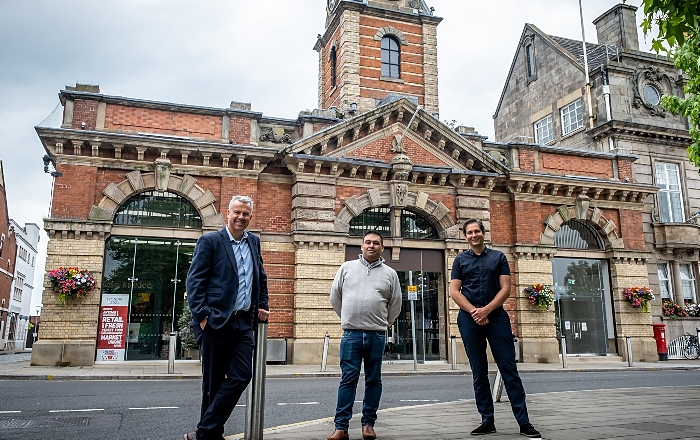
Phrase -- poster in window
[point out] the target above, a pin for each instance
(111, 337)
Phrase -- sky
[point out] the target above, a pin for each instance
(212, 52)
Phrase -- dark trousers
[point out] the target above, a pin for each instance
(500, 338)
(227, 367)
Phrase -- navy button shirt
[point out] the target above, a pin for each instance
(479, 274)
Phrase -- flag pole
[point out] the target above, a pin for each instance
(585, 66)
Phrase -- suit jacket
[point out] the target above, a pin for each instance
(212, 281)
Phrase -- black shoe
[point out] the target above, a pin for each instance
(529, 431)
(487, 428)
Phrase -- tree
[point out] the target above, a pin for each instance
(186, 333)
(678, 24)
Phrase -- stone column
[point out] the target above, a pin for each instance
(677, 284)
(316, 266)
(537, 334)
(68, 332)
(628, 269)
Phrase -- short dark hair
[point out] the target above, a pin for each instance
(374, 232)
(469, 222)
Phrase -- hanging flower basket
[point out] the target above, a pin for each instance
(672, 310)
(540, 295)
(638, 297)
(71, 282)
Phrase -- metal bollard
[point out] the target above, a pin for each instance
(324, 358)
(454, 351)
(255, 393)
(171, 352)
(563, 351)
(497, 387)
(628, 343)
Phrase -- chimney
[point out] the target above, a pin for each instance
(618, 27)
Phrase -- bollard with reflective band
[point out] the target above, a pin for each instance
(628, 346)
(454, 351)
(171, 352)
(255, 393)
(563, 351)
(324, 358)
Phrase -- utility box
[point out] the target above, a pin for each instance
(277, 350)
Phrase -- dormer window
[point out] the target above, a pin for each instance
(391, 58)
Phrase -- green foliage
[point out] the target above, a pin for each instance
(186, 334)
(678, 23)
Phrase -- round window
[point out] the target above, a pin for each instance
(651, 95)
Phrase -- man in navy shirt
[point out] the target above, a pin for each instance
(480, 285)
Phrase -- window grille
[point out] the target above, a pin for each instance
(576, 234)
(572, 117)
(413, 225)
(151, 208)
(543, 130)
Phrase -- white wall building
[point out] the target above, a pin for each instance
(27, 239)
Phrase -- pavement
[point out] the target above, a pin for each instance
(654, 413)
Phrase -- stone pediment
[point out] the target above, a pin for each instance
(372, 137)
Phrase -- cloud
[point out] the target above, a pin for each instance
(214, 51)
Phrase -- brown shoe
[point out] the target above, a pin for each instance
(339, 434)
(191, 436)
(368, 432)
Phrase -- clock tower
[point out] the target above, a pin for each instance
(375, 48)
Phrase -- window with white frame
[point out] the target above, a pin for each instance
(688, 283)
(668, 180)
(543, 130)
(17, 292)
(664, 281)
(571, 117)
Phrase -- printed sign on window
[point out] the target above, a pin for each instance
(111, 338)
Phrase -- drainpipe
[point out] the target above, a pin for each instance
(606, 95)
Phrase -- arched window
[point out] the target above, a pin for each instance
(391, 58)
(576, 234)
(334, 67)
(159, 209)
(413, 225)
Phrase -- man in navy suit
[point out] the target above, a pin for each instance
(227, 294)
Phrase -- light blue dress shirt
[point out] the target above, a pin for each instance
(244, 266)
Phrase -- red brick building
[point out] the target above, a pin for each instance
(142, 180)
(8, 253)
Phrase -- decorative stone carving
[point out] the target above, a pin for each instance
(399, 193)
(397, 145)
(582, 203)
(162, 169)
(114, 193)
(313, 190)
(658, 84)
(277, 135)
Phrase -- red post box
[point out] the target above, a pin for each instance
(660, 336)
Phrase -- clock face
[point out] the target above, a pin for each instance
(331, 4)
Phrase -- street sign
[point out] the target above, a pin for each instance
(412, 293)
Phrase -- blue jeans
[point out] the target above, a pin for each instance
(500, 338)
(357, 346)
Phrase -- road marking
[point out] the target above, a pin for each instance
(158, 407)
(298, 403)
(75, 410)
(10, 412)
(418, 400)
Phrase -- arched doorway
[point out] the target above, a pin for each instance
(144, 273)
(420, 271)
(581, 285)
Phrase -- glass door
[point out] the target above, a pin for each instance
(424, 313)
(581, 290)
(151, 272)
